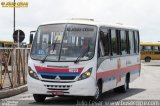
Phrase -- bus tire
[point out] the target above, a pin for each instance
(147, 59)
(125, 87)
(39, 98)
(98, 93)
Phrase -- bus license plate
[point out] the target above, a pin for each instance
(58, 93)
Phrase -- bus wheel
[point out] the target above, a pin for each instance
(147, 59)
(98, 93)
(39, 98)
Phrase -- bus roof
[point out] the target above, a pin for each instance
(150, 43)
(91, 22)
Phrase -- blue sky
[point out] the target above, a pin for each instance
(143, 14)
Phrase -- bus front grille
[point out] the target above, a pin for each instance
(61, 77)
(58, 87)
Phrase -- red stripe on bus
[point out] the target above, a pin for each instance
(58, 70)
(115, 71)
(131, 68)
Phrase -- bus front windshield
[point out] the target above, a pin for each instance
(64, 42)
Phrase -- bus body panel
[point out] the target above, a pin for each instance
(109, 71)
(135, 69)
(40, 86)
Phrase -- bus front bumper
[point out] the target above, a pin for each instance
(86, 87)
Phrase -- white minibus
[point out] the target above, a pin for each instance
(81, 57)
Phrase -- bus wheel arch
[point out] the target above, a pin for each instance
(39, 98)
(147, 59)
(98, 92)
(100, 82)
(124, 87)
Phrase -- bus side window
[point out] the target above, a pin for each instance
(128, 42)
(158, 48)
(147, 48)
(123, 42)
(134, 42)
(118, 35)
(155, 48)
(104, 42)
(100, 46)
(131, 39)
(113, 42)
(136, 39)
(100, 49)
(1, 45)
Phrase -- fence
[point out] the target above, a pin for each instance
(13, 67)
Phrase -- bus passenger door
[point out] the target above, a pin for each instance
(106, 64)
(121, 58)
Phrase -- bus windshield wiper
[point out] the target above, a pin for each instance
(82, 54)
(53, 46)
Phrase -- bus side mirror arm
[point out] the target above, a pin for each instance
(32, 33)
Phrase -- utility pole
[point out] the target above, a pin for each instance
(14, 20)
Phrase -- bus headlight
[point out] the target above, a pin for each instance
(86, 74)
(32, 73)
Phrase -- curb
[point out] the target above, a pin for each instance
(12, 92)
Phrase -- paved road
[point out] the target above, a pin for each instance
(146, 87)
